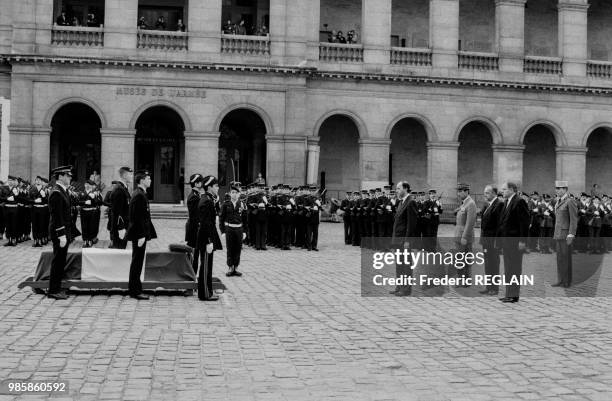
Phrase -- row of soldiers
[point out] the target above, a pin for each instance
(24, 214)
(594, 222)
(369, 214)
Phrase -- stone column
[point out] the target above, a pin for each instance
(275, 159)
(117, 151)
(444, 32)
(5, 116)
(376, 35)
(442, 162)
(278, 28)
(571, 166)
(201, 154)
(573, 36)
(295, 159)
(510, 34)
(313, 27)
(41, 149)
(508, 164)
(374, 162)
(24, 26)
(204, 25)
(312, 175)
(298, 16)
(20, 150)
(120, 23)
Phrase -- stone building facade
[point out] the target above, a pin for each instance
(433, 92)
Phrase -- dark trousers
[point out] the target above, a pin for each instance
(491, 259)
(402, 269)
(205, 289)
(513, 265)
(312, 235)
(117, 242)
(285, 236)
(534, 234)
(261, 232)
(89, 229)
(347, 231)
(58, 263)
(545, 239)
(233, 243)
(564, 262)
(38, 222)
(11, 218)
(595, 243)
(2, 224)
(138, 254)
(355, 232)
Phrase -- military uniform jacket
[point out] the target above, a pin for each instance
(91, 200)
(193, 221)
(13, 196)
(345, 207)
(466, 219)
(594, 214)
(60, 215)
(566, 221)
(231, 215)
(140, 225)
(38, 197)
(120, 207)
(207, 234)
(534, 213)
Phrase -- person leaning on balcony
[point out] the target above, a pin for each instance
(92, 21)
(263, 31)
(331, 37)
(62, 20)
(228, 28)
(340, 37)
(160, 24)
(241, 29)
(180, 27)
(75, 21)
(142, 23)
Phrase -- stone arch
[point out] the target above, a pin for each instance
(432, 136)
(76, 99)
(179, 110)
(361, 127)
(248, 106)
(553, 127)
(585, 138)
(494, 130)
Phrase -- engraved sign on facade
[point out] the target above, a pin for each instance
(160, 92)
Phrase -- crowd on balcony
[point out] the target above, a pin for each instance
(242, 28)
(65, 20)
(338, 37)
(160, 24)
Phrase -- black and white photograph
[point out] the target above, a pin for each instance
(347, 200)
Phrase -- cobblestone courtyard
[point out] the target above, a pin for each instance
(295, 327)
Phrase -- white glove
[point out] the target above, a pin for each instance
(88, 202)
(223, 236)
(597, 213)
(121, 234)
(209, 248)
(92, 195)
(63, 241)
(388, 207)
(11, 198)
(546, 213)
(435, 210)
(141, 242)
(243, 236)
(315, 208)
(535, 210)
(15, 191)
(38, 200)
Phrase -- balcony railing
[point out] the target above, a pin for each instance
(340, 52)
(409, 56)
(599, 69)
(245, 44)
(478, 61)
(162, 40)
(77, 36)
(543, 65)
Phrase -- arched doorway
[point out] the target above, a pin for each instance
(408, 154)
(339, 156)
(539, 160)
(75, 140)
(242, 148)
(160, 149)
(598, 160)
(475, 159)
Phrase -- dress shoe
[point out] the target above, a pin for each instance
(559, 284)
(315, 249)
(493, 292)
(485, 291)
(509, 299)
(211, 298)
(58, 295)
(140, 296)
(567, 285)
(229, 274)
(402, 293)
(394, 291)
(237, 273)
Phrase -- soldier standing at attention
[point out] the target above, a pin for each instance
(232, 229)
(346, 217)
(11, 214)
(208, 238)
(193, 220)
(140, 231)
(61, 230)
(40, 207)
(547, 223)
(120, 200)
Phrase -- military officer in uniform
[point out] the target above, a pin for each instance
(313, 206)
(140, 231)
(11, 212)
(355, 219)
(61, 229)
(566, 224)
(193, 220)
(232, 229)
(208, 238)
(534, 224)
(40, 208)
(90, 207)
(346, 217)
(432, 209)
(120, 200)
(547, 223)
(464, 229)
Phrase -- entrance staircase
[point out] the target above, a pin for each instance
(168, 211)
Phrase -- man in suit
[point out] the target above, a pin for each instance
(566, 223)
(140, 231)
(464, 228)
(513, 232)
(208, 238)
(61, 229)
(489, 222)
(191, 227)
(404, 228)
(120, 200)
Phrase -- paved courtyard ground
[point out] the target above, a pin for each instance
(295, 327)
